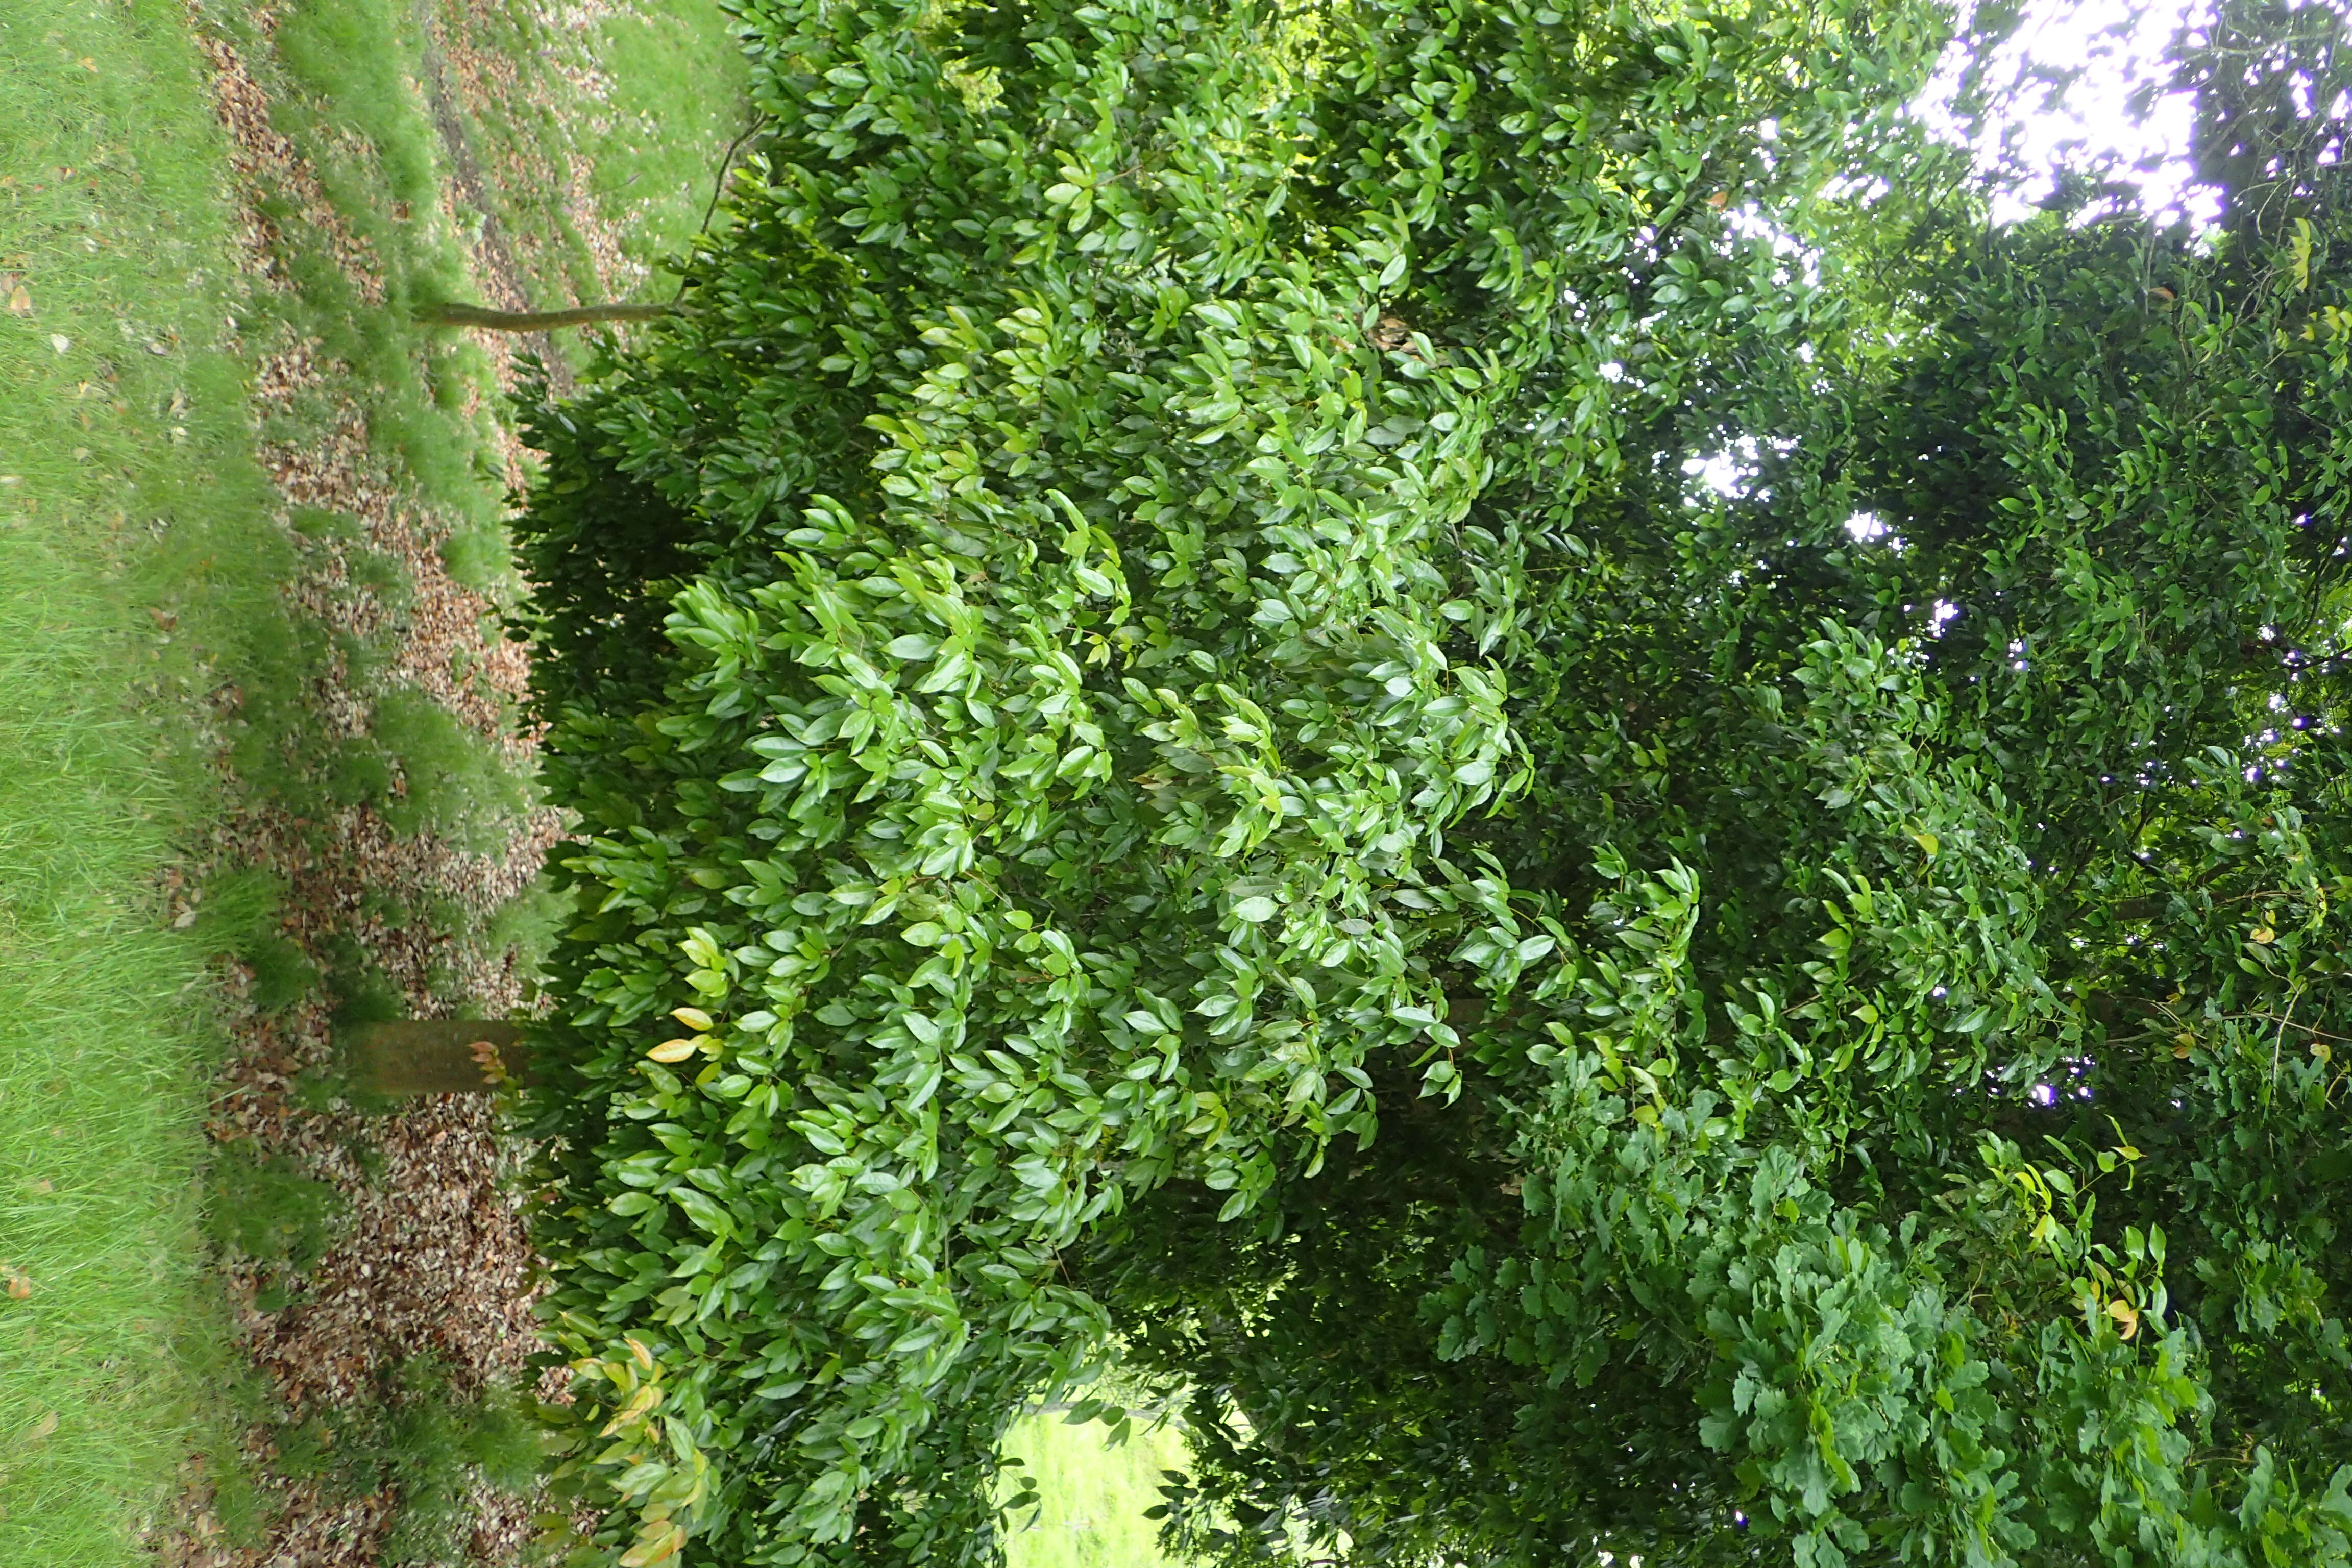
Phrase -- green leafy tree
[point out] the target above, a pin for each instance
(1479, 723)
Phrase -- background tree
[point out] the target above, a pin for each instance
(1149, 676)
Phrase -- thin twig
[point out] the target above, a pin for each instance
(718, 185)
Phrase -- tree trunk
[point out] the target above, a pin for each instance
(455, 315)
(437, 1056)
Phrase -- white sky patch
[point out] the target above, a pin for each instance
(2092, 56)
(1720, 473)
(1733, 472)
(2115, 47)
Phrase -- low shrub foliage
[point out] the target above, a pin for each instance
(1479, 722)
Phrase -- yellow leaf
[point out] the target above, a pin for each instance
(672, 1051)
(2319, 1050)
(2263, 935)
(18, 1286)
(640, 1403)
(59, 341)
(493, 1067)
(20, 302)
(1928, 842)
(2126, 1314)
(692, 1017)
(645, 1358)
(656, 1548)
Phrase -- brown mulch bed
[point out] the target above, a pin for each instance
(431, 1256)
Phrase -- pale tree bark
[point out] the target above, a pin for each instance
(457, 315)
(436, 1055)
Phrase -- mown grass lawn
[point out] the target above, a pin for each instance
(143, 556)
(124, 464)
(1094, 1494)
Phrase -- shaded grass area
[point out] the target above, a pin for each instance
(425, 182)
(143, 557)
(1094, 1494)
(657, 91)
(425, 1443)
(644, 170)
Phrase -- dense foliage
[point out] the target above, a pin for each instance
(1477, 722)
